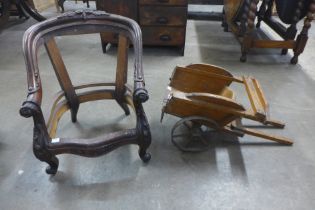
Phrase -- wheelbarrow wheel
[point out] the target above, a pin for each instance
(190, 134)
(4, 12)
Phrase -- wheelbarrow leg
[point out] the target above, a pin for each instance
(252, 132)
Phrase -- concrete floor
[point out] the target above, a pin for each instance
(245, 173)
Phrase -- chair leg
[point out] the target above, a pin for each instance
(74, 112)
(60, 4)
(124, 106)
(250, 11)
(143, 129)
(303, 36)
(63, 77)
(53, 165)
(40, 151)
(261, 13)
(224, 23)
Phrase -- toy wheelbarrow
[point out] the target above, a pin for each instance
(200, 95)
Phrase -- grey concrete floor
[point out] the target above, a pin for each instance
(244, 173)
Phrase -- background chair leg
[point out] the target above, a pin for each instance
(143, 129)
(284, 51)
(243, 57)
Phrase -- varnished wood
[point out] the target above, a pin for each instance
(163, 22)
(122, 72)
(233, 9)
(240, 16)
(63, 76)
(197, 98)
(45, 143)
(160, 15)
(120, 7)
(163, 2)
(163, 36)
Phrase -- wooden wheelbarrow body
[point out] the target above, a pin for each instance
(203, 91)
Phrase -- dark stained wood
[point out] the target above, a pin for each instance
(155, 15)
(240, 16)
(164, 36)
(163, 22)
(45, 144)
(118, 7)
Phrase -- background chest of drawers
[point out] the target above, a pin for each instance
(163, 22)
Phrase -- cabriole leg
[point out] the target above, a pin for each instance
(143, 129)
(124, 106)
(40, 141)
(41, 138)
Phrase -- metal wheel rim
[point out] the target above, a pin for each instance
(191, 119)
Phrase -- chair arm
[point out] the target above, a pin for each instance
(140, 93)
(32, 103)
(29, 109)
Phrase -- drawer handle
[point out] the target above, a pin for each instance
(163, 1)
(165, 38)
(162, 20)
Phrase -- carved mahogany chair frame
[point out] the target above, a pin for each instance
(45, 145)
(245, 30)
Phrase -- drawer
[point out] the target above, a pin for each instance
(125, 8)
(156, 15)
(168, 36)
(164, 2)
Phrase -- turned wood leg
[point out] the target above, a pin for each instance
(21, 11)
(292, 30)
(104, 47)
(182, 50)
(60, 4)
(290, 35)
(249, 14)
(303, 36)
(224, 23)
(261, 12)
(243, 57)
